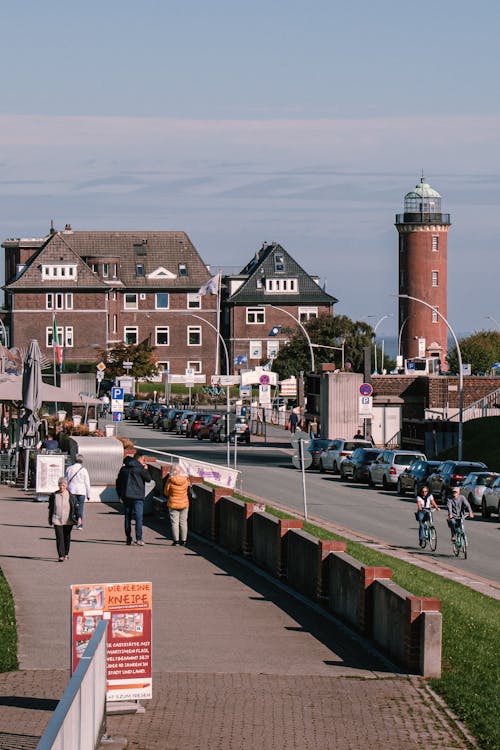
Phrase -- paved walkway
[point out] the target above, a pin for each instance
(239, 663)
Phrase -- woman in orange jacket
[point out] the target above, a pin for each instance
(177, 491)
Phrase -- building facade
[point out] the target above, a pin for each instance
(423, 269)
(105, 288)
(268, 296)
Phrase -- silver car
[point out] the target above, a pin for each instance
(389, 464)
(331, 458)
(490, 502)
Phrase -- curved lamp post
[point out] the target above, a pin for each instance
(490, 317)
(401, 333)
(193, 315)
(379, 321)
(460, 369)
(311, 352)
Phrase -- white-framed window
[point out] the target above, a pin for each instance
(139, 269)
(162, 336)
(105, 270)
(94, 267)
(195, 366)
(279, 262)
(277, 286)
(193, 301)
(435, 316)
(115, 324)
(64, 334)
(163, 366)
(255, 349)
(256, 315)
(162, 300)
(435, 243)
(273, 348)
(183, 269)
(142, 296)
(59, 301)
(114, 268)
(435, 278)
(130, 301)
(59, 271)
(194, 335)
(306, 313)
(130, 334)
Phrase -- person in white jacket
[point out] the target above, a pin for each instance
(78, 485)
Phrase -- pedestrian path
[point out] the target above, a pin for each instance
(238, 662)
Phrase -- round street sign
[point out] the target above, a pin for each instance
(297, 462)
(264, 379)
(300, 436)
(365, 389)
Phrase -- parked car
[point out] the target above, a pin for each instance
(241, 430)
(490, 501)
(183, 421)
(331, 458)
(147, 413)
(204, 431)
(160, 415)
(316, 447)
(452, 474)
(194, 423)
(131, 410)
(415, 476)
(388, 466)
(475, 485)
(356, 465)
(169, 421)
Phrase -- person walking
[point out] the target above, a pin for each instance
(78, 480)
(63, 515)
(293, 421)
(177, 491)
(131, 489)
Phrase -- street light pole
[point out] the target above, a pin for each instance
(311, 352)
(490, 317)
(401, 333)
(379, 321)
(460, 369)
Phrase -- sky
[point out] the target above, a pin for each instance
(303, 123)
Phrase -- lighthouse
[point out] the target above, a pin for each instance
(423, 268)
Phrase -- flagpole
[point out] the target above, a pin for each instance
(54, 362)
(217, 346)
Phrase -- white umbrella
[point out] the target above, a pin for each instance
(32, 400)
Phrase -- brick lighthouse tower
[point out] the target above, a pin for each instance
(423, 234)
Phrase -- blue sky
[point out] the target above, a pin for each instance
(304, 123)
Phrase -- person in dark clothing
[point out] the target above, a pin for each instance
(130, 487)
(293, 421)
(50, 443)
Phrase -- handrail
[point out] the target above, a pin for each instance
(483, 404)
(79, 721)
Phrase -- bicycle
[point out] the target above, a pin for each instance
(430, 533)
(460, 543)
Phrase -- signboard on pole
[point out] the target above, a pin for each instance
(365, 408)
(128, 609)
(117, 399)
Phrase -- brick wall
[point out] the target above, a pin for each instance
(433, 392)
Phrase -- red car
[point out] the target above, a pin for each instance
(203, 431)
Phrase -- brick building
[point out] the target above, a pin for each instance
(109, 287)
(423, 267)
(271, 293)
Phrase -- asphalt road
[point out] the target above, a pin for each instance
(267, 472)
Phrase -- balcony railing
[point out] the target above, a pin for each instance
(422, 218)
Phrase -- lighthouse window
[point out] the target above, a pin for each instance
(435, 278)
(435, 243)
(435, 316)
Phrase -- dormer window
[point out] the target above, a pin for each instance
(279, 262)
(58, 271)
(183, 269)
(281, 286)
(139, 269)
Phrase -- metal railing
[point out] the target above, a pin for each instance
(79, 721)
(486, 406)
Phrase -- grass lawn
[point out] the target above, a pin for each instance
(8, 633)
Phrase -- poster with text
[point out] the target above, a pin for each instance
(128, 609)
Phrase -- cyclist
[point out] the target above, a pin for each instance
(458, 508)
(425, 503)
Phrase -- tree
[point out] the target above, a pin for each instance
(295, 356)
(481, 350)
(141, 355)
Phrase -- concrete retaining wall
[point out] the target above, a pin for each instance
(407, 628)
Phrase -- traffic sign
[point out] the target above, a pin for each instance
(365, 408)
(365, 389)
(99, 376)
(264, 379)
(307, 460)
(299, 436)
(101, 366)
(117, 416)
(117, 392)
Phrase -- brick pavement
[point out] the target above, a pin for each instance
(238, 662)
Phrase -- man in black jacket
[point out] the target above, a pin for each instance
(130, 487)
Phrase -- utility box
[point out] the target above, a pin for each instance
(339, 403)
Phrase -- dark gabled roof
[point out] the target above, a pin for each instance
(161, 252)
(55, 250)
(264, 265)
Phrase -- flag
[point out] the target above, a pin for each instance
(211, 286)
(55, 342)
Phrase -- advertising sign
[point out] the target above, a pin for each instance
(128, 609)
(49, 468)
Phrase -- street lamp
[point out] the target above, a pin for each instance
(379, 321)
(401, 333)
(490, 317)
(228, 400)
(460, 369)
(281, 309)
